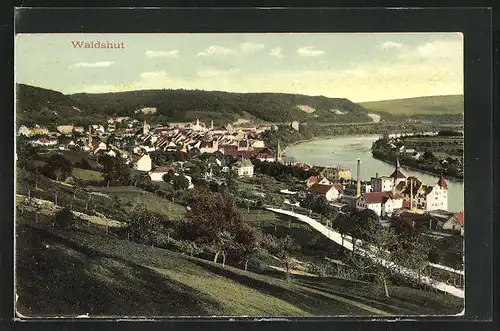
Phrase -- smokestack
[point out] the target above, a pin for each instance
(376, 175)
(411, 194)
(358, 180)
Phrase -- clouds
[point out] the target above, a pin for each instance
(250, 47)
(309, 51)
(98, 64)
(171, 54)
(216, 50)
(276, 52)
(244, 48)
(390, 44)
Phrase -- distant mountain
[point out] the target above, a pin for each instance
(430, 107)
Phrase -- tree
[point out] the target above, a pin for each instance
(365, 224)
(64, 218)
(58, 167)
(380, 256)
(223, 242)
(214, 221)
(284, 248)
(115, 169)
(26, 154)
(169, 176)
(180, 182)
(144, 226)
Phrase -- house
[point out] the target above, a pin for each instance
(455, 223)
(301, 165)
(65, 129)
(209, 146)
(336, 173)
(409, 219)
(158, 173)
(23, 130)
(38, 130)
(331, 192)
(45, 142)
(79, 129)
(111, 153)
(265, 157)
(143, 163)
(317, 180)
(244, 168)
(295, 125)
(97, 146)
(382, 203)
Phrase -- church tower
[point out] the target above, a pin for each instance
(145, 128)
(397, 176)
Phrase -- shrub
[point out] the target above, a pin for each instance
(64, 218)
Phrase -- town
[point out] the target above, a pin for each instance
(134, 142)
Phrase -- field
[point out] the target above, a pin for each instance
(433, 105)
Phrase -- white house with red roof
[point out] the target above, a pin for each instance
(433, 197)
(45, 142)
(143, 162)
(317, 180)
(265, 157)
(455, 223)
(157, 174)
(331, 192)
(382, 203)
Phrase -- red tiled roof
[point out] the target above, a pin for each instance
(320, 188)
(264, 156)
(442, 182)
(397, 174)
(460, 217)
(302, 165)
(312, 179)
(375, 197)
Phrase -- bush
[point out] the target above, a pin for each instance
(64, 219)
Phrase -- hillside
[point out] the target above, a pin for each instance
(430, 107)
(188, 105)
(36, 105)
(90, 270)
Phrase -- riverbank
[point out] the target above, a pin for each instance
(404, 166)
(430, 154)
(344, 152)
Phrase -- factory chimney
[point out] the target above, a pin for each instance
(376, 175)
(90, 136)
(358, 179)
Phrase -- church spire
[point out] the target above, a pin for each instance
(442, 182)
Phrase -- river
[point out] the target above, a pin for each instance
(345, 150)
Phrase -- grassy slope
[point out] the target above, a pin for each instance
(85, 271)
(82, 271)
(432, 105)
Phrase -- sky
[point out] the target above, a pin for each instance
(357, 66)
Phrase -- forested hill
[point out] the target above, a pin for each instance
(45, 107)
(225, 107)
(36, 105)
